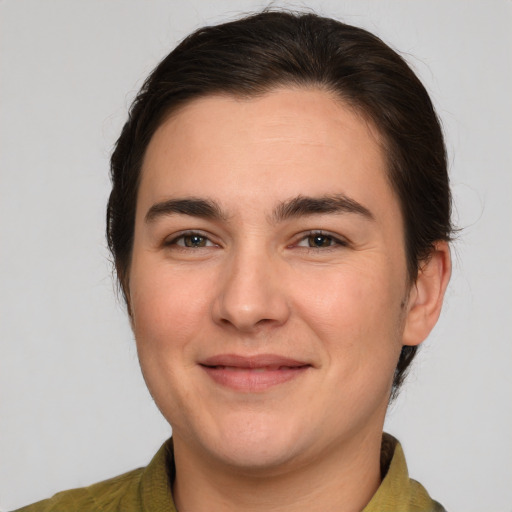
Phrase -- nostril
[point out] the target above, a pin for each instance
(264, 321)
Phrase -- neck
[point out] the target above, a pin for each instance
(343, 480)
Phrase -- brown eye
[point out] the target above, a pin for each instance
(191, 241)
(318, 240)
(194, 241)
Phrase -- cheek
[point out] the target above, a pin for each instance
(166, 308)
(166, 319)
(349, 297)
(356, 313)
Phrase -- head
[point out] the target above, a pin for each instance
(270, 50)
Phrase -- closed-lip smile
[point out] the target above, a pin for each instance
(252, 373)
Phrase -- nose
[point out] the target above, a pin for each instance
(251, 293)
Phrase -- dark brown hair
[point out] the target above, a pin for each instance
(256, 54)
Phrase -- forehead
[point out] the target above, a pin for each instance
(285, 143)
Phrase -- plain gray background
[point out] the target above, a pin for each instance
(74, 407)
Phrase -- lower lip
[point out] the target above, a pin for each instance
(252, 380)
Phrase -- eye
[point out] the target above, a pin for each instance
(191, 240)
(319, 240)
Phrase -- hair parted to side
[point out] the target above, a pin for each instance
(258, 53)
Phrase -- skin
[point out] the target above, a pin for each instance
(248, 277)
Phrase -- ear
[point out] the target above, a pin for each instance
(427, 294)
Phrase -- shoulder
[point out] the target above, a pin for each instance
(106, 496)
(398, 492)
(140, 490)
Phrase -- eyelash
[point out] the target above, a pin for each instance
(333, 241)
(189, 234)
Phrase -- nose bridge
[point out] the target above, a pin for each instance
(251, 292)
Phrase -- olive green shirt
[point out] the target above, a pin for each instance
(149, 489)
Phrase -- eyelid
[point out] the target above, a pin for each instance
(338, 240)
(171, 240)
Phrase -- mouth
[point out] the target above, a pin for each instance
(254, 373)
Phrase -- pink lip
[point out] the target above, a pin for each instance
(252, 373)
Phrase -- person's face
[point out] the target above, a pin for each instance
(268, 283)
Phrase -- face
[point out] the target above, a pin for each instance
(268, 278)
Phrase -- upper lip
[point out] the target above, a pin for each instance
(256, 361)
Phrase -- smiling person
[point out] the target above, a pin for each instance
(279, 221)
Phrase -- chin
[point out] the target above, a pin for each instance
(254, 444)
(255, 457)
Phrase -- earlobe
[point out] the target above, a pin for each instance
(427, 294)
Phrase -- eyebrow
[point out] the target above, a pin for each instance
(301, 206)
(203, 208)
